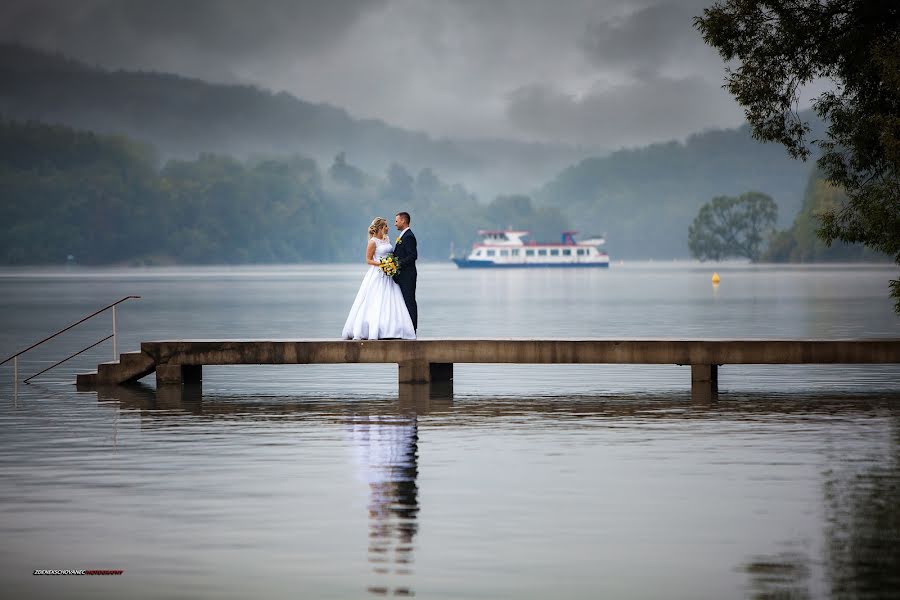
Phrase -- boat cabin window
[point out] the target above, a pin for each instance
(514, 252)
(567, 252)
(542, 253)
(491, 252)
(580, 252)
(554, 252)
(479, 253)
(504, 253)
(529, 253)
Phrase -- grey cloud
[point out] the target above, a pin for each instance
(647, 39)
(442, 66)
(652, 109)
(189, 37)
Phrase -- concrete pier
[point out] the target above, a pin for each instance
(431, 360)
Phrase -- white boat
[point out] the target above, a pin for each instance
(508, 250)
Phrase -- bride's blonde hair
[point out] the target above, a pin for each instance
(377, 224)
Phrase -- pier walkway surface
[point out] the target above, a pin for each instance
(180, 362)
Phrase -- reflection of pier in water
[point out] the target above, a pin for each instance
(167, 403)
(180, 362)
(164, 406)
(861, 533)
(384, 439)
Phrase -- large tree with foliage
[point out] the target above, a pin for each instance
(732, 227)
(780, 46)
(799, 243)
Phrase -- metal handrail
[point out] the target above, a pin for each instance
(94, 345)
(48, 338)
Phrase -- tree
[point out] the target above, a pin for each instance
(398, 187)
(428, 187)
(801, 244)
(105, 199)
(343, 172)
(780, 47)
(517, 211)
(728, 227)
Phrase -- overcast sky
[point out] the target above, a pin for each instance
(605, 72)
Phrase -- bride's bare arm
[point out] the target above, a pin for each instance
(370, 254)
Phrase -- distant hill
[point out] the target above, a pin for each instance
(77, 196)
(183, 117)
(644, 199)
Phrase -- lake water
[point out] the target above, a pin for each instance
(527, 482)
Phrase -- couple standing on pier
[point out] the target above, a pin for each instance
(385, 306)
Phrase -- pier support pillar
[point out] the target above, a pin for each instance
(178, 374)
(440, 372)
(704, 382)
(422, 371)
(414, 371)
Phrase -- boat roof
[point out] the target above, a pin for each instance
(548, 244)
(499, 231)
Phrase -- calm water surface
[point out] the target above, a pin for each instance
(520, 482)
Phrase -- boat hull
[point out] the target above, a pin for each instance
(465, 263)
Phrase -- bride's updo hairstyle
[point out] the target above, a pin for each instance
(377, 224)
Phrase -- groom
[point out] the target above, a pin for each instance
(405, 251)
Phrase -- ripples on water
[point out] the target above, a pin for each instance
(205, 495)
(559, 481)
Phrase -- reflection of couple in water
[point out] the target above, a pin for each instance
(386, 449)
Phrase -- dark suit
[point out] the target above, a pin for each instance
(406, 253)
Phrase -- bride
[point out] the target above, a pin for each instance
(378, 311)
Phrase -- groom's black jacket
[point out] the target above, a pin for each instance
(406, 252)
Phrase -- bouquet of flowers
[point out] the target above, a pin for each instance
(390, 265)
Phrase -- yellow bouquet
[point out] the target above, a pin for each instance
(390, 265)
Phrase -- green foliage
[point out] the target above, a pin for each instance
(442, 213)
(76, 186)
(800, 243)
(517, 211)
(781, 46)
(643, 199)
(346, 174)
(104, 200)
(399, 185)
(732, 227)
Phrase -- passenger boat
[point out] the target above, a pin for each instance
(508, 250)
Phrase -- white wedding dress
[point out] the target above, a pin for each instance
(379, 311)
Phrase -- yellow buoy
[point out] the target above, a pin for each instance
(715, 278)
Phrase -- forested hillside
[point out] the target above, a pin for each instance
(645, 198)
(183, 117)
(110, 200)
(244, 154)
